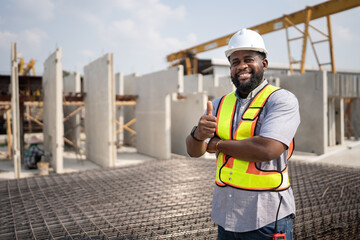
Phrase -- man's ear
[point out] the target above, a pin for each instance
(265, 64)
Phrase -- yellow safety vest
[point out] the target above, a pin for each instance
(238, 173)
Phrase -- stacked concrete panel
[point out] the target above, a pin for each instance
(99, 86)
(153, 111)
(53, 109)
(311, 91)
(185, 113)
(72, 85)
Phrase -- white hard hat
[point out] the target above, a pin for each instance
(246, 39)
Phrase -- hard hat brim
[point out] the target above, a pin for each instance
(231, 51)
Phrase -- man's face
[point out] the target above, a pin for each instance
(247, 70)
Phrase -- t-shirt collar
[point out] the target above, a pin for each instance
(253, 92)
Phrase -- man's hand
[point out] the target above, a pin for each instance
(211, 147)
(207, 124)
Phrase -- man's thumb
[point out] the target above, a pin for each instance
(209, 108)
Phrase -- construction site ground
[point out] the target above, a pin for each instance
(145, 198)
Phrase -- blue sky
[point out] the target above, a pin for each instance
(141, 33)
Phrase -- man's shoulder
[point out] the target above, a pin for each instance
(283, 95)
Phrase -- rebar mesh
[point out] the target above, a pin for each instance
(167, 199)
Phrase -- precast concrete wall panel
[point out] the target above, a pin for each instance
(193, 83)
(53, 128)
(185, 114)
(153, 111)
(129, 111)
(209, 81)
(224, 87)
(99, 85)
(311, 92)
(72, 85)
(119, 90)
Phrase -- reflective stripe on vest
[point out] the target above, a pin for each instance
(238, 173)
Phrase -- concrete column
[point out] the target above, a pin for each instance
(15, 111)
(185, 114)
(72, 85)
(99, 86)
(153, 111)
(53, 109)
(311, 92)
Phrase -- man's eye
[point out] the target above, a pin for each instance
(249, 60)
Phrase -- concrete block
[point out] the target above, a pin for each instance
(311, 91)
(99, 85)
(153, 111)
(53, 109)
(193, 83)
(185, 114)
(72, 84)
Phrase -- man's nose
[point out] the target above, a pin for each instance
(242, 65)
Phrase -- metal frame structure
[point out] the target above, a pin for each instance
(301, 17)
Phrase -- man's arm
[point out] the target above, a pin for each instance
(206, 129)
(254, 149)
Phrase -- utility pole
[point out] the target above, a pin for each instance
(15, 110)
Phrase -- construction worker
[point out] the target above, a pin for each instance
(251, 130)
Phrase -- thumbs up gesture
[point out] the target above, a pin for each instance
(207, 124)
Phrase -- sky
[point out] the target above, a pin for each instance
(141, 33)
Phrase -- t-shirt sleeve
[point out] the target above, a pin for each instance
(281, 117)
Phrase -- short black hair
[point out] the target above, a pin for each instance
(263, 55)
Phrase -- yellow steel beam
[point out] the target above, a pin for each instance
(317, 11)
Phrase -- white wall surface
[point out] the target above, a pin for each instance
(185, 114)
(153, 111)
(99, 85)
(53, 109)
(311, 92)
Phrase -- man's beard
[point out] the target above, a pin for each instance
(248, 86)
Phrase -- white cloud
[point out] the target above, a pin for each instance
(5, 40)
(88, 53)
(31, 39)
(344, 34)
(38, 9)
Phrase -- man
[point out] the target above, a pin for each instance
(33, 154)
(251, 130)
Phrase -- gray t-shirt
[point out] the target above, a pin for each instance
(240, 210)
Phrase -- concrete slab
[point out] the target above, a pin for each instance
(347, 155)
